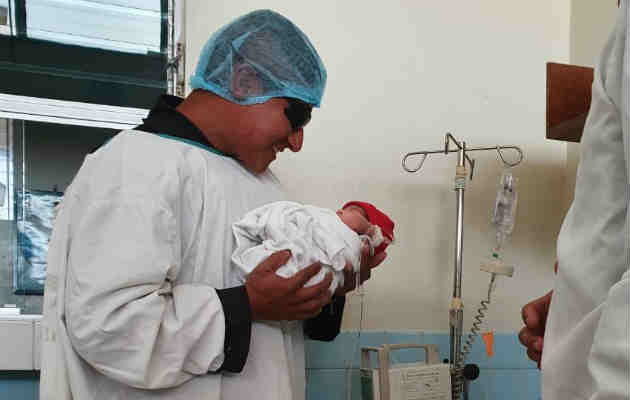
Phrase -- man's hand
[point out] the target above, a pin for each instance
(535, 319)
(274, 298)
(367, 263)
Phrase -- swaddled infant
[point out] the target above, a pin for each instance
(312, 234)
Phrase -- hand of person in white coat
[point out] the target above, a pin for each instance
(534, 316)
(367, 263)
(274, 298)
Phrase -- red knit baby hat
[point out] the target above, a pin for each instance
(376, 217)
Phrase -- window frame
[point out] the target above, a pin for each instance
(47, 69)
(70, 112)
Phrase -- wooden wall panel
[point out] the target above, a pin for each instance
(568, 100)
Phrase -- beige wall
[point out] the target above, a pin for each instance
(401, 74)
(591, 23)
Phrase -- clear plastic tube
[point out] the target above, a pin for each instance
(503, 218)
(359, 292)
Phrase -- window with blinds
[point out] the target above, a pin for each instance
(131, 26)
(96, 51)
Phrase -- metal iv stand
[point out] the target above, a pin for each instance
(456, 312)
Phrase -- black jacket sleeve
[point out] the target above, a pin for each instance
(327, 324)
(238, 327)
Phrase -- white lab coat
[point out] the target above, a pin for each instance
(586, 346)
(141, 241)
(311, 233)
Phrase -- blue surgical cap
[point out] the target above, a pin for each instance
(284, 60)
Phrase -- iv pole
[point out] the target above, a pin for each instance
(456, 312)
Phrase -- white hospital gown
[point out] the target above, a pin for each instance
(140, 247)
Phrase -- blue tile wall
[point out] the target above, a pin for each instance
(19, 385)
(332, 368)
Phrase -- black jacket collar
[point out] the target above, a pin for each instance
(164, 118)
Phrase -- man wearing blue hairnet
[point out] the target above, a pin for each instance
(140, 300)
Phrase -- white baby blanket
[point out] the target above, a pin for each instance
(311, 233)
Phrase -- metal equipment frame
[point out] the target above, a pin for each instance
(456, 306)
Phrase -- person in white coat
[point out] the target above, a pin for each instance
(140, 299)
(583, 323)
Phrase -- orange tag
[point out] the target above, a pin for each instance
(488, 339)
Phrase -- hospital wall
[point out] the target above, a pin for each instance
(400, 75)
(591, 24)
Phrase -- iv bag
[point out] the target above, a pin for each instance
(504, 213)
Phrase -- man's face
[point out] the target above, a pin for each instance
(266, 131)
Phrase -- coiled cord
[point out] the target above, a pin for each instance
(458, 386)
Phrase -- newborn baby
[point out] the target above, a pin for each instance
(311, 234)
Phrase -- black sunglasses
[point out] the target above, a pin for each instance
(298, 113)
